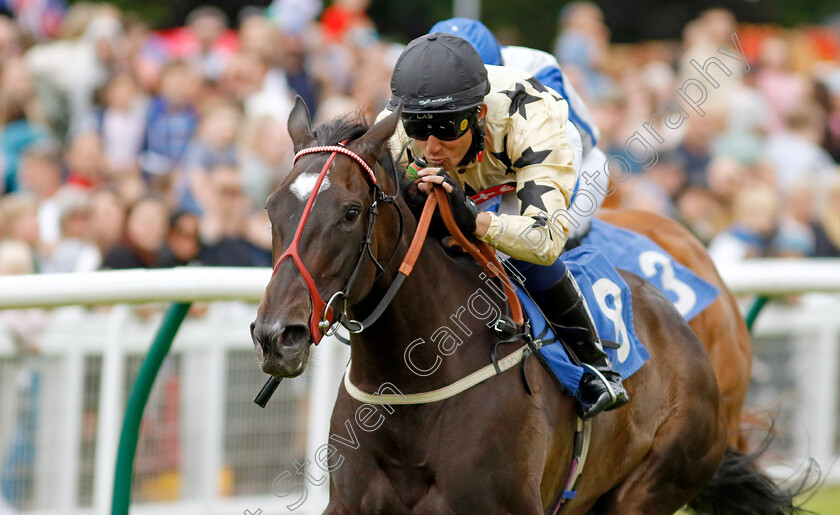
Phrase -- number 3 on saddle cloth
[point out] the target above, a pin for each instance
(593, 264)
(638, 254)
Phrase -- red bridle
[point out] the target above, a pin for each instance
(320, 309)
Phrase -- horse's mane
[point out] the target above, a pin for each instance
(348, 127)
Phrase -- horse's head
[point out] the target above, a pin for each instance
(316, 259)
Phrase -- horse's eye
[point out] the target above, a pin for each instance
(351, 215)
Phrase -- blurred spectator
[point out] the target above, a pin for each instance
(19, 221)
(183, 244)
(107, 213)
(145, 230)
(342, 18)
(171, 121)
(225, 225)
(827, 227)
(40, 20)
(796, 236)
(293, 62)
(206, 25)
(726, 178)
(75, 251)
(76, 67)
(85, 161)
(695, 146)
(782, 89)
(262, 91)
(144, 57)
(701, 212)
(121, 124)
(582, 47)
(293, 16)
(796, 152)
(267, 159)
(831, 103)
(214, 145)
(18, 83)
(752, 232)
(656, 188)
(259, 37)
(18, 133)
(9, 39)
(41, 175)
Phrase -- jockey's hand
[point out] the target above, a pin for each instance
(414, 198)
(464, 210)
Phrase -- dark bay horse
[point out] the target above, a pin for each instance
(493, 448)
(720, 327)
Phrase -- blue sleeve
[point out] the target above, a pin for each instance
(552, 77)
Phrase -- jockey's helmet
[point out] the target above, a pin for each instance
(441, 81)
(438, 74)
(476, 33)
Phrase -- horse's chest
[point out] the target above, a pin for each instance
(423, 490)
(419, 479)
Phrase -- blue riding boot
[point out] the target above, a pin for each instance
(600, 387)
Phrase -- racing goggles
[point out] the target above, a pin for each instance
(443, 126)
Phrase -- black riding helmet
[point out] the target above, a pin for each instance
(438, 74)
(442, 81)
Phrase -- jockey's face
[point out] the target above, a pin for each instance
(447, 154)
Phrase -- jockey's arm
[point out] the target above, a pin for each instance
(543, 159)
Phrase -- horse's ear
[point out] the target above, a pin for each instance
(374, 141)
(300, 125)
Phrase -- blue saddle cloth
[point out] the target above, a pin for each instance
(638, 254)
(608, 298)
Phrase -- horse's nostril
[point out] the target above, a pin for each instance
(294, 335)
(262, 335)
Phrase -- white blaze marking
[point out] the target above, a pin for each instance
(304, 184)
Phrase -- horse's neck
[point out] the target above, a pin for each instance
(430, 311)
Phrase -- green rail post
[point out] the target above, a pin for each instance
(755, 309)
(124, 471)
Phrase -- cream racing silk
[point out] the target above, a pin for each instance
(526, 146)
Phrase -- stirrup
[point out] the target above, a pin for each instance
(607, 385)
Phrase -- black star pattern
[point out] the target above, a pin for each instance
(504, 158)
(531, 195)
(541, 221)
(518, 99)
(530, 157)
(537, 84)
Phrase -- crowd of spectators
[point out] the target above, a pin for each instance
(125, 147)
(751, 168)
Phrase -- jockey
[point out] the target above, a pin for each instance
(545, 68)
(495, 129)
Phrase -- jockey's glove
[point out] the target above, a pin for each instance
(414, 198)
(464, 210)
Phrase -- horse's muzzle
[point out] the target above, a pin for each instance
(282, 350)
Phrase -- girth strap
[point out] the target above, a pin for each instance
(440, 394)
